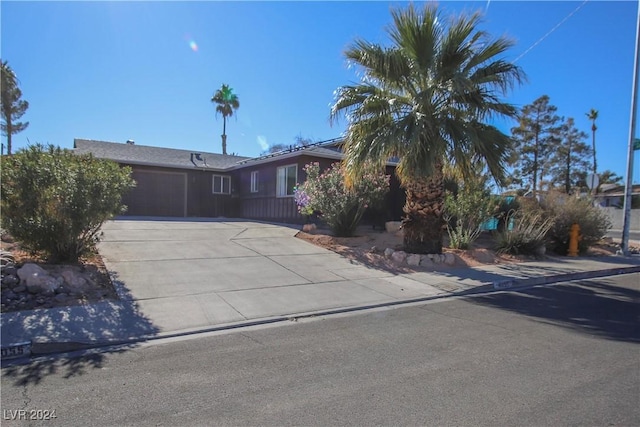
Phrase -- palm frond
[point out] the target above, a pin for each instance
(426, 97)
(226, 101)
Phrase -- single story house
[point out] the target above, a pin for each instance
(184, 183)
(612, 195)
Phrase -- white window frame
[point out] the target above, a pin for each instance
(255, 176)
(222, 179)
(282, 179)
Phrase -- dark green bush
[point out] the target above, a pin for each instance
(567, 210)
(55, 202)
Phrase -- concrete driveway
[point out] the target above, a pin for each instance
(187, 274)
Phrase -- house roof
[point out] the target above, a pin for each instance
(135, 154)
(327, 149)
(330, 149)
(155, 156)
(618, 191)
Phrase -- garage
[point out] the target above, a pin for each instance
(157, 193)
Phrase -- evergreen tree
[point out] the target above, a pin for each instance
(12, 107)
(535, 138)
(571, 157)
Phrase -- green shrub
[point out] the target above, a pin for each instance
(567, 210)
(466, 211)
(340, 206)
(55, 202)
(460, 236)
(528, 236)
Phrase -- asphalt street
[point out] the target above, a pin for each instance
(567, 354)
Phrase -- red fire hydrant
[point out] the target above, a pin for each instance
(574, 238)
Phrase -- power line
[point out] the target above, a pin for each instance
(551, 31)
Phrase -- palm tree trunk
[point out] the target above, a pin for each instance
(595, 164)
(423, 224)
(9, 132)
(593, 143)
(224, 135)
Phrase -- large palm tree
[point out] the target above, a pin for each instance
(426, 99)
(226, 103)
(593, 116)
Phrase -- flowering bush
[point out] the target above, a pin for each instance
(340, 206)
(303, 201)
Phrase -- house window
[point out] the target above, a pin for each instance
(254, 181)
(286, 182)
(221, 184)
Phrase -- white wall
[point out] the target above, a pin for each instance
(617, 218)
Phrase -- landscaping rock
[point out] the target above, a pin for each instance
(33, 289)
(388, 252)
(99, 293)
(30, 270)
(413, 259)
(10, 270)
(449, 258)
(541, 251)
(392, 226)
(10, 280)
(73, 279)
(425, 261)
(9, 295)
(19, 289)
(399, 256)
(307, 228)
(61, 297)
(48, 292)
(43, 284)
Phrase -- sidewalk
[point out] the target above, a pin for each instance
(129, 321)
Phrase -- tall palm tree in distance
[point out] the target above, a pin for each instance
(593, 115)
(226, 103)
(426, 98)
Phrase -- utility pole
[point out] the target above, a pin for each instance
(624, 244)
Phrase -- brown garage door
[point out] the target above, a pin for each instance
(157, 194)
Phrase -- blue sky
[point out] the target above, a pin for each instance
(128, 70)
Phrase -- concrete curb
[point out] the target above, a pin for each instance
(60, 348)
(565, 277)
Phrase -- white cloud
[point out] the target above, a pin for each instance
(262, 142)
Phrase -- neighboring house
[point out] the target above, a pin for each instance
(185, 183)
(612, 195)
